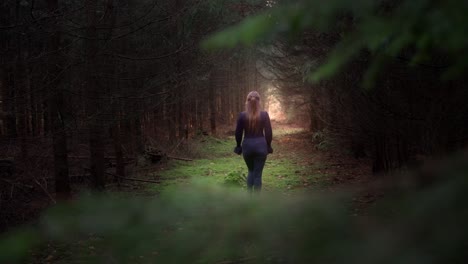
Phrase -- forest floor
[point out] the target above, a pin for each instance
(297, 164)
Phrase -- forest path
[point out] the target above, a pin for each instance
(295, 164)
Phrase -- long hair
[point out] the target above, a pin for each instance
(252, 109)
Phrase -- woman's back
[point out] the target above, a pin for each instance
(264, 127)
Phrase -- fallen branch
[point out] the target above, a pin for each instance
(48, 194)
(237, 260)
(341, 164)
(132, 179)
(178, 158)
(106, 157)
(172, 151)
(118, 185)
(140, 180)
(155, 156)
(17, 183)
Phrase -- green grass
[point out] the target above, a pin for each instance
(284, 169)
(284, 131)
(204, 223)
(215, 163)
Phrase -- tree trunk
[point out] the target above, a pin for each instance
(96, 144)
(8, 108)
(381, 159)
(120, 166)
(212, 103)
(138, 135)
(57, 114)
(115, 104)
(20, 84)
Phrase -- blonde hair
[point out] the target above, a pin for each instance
(252, 109)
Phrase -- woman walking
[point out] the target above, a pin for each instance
(255, 127)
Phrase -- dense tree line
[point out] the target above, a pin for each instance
(88, 83)
(408, 114)
(382, 79)
(83, 81)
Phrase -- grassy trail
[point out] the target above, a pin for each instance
(295, 163)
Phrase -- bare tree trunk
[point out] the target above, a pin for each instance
(96, 144)
(381, 162)
(212, 103)
(224, 97)
(10, 109)
(120, 166)
(181, 118)
(20, 84)
(33, 112)
(181, 123)
(170, 114)
(116, 126)
(199, 113)
(8, 116)
(138, 134)
(57, 114)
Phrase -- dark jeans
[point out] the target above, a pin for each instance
(255, 154)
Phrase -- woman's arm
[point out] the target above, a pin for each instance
(239, 129)
(268, 130)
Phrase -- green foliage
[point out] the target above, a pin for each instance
(196, 224)
(280, 173)
(235, 178)
(218, 12)
(247, 33)
(15, 246)
(205, 223)
(216, 161)
(202, 222)
(322, 140)
(383, 28)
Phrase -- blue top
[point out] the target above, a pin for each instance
(265, 125)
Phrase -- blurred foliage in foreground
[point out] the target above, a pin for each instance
(420, 31)
(203, 223)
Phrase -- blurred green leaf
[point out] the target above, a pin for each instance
(429, 27)
(337, 59)
(16, 245)
(247, 33)
(206, 223)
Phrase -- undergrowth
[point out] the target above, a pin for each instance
(206, 223)
(215, 161)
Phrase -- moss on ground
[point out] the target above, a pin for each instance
(284, 169)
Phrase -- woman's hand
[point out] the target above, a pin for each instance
(238, 150)
(270, 150)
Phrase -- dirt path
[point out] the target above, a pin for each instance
(295, 164)
(328, 168)
(324, 170)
